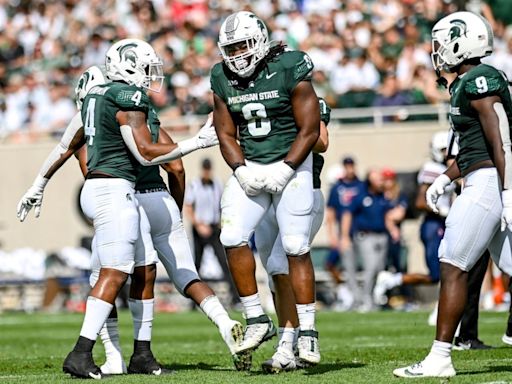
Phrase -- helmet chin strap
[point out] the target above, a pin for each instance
(441, 80)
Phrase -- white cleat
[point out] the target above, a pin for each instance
(282, 360)
(307, 345)
(383, 283)
(114, 367)
(427, 368)
(506, 339)
(232, 333)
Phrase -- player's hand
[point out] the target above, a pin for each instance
(252, 182)
(506, 214)
(278, 176)
(32, 198)
(207, 137)
(436, 190)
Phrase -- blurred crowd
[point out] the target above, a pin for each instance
(366, 52)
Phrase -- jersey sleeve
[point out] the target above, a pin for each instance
(131, 98)
(215, 80)
(484, 83)
(298, 66)
(325, 111)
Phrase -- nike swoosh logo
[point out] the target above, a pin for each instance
(95, 376)
(407, 372)
(158, 372)
(270, 75)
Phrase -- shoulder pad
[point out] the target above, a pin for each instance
(484, 81)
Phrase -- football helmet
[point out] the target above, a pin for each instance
(91, 77)
(438, 145)
(243, 42)
(135, 62)
(458, 37)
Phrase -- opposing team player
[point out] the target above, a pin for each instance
(481, 111)
(273, 258)
(264, 97)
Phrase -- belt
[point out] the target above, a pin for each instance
(151, 190)
(98, 175)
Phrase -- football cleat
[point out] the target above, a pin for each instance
(281, 360)
(506, 339)
(307, 345)
(81, 364)
(465, 345)
(232, 333)
(145, 363)
(259, 329)
(383, 283)
(114, 367)
(427, 368)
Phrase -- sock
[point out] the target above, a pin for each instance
(286, 339)
(212, 308)
(306, 314)
(440, 349)
(96, 313)
(296, 338)
(397, 279)
(109, 335)
(252, 306)
(142, 314)
(280, 331)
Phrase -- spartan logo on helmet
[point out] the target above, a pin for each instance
(128, 53)
(84, 79)
(458, 29)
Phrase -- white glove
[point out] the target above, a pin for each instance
(206, 136)
(506, 214)
(279, 175)
(32, 198)
(251, 182)
(436, 190)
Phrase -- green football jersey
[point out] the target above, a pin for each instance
(149, 177)
(479, 82)
(318, 160)
(261, 105)
(106, 150)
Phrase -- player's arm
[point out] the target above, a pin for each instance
(136, 135)
(306, 112)
(175, 173)
(72, 139)
(81, 155)
(421, 201)
(322, 143)
(494, 120)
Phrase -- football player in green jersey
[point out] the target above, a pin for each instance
(481, 112)
(273, 257)
(115, 128)
(263, 96)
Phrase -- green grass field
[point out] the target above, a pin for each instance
(356, 348)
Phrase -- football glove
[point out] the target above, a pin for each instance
(207, 137)
(251, 182)
(32, 198)
(506, 214)
(278, 176)
(436, 190)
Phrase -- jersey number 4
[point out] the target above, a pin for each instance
(257, 122)
(89, 128)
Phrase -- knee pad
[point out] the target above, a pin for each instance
(232, 238)
(295, 245)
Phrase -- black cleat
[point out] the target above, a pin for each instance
(143, 362)
(464, 345)
(81, 364)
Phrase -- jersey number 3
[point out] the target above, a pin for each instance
(89, 128)
(257, 122)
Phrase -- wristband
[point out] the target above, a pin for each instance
(234, 166)
(291, 165)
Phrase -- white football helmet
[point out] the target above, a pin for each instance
(458, 37)
(91, 77)
(243, 42)
(135, 62)
(438, 145)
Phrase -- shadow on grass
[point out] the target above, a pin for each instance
(197, 366)
(488, 369)
(320, 369)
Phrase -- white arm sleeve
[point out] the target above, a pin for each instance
(73, 127)
(183, 148)
(505, 139)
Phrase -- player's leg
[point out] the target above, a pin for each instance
(472, 223)
(294, 208)
(240, 216)
(275, 262)
(171, 242)
(110, 203)
(468, 334)
(109, 333)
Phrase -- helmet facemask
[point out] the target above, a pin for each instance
(154, 76)
(244, 63)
